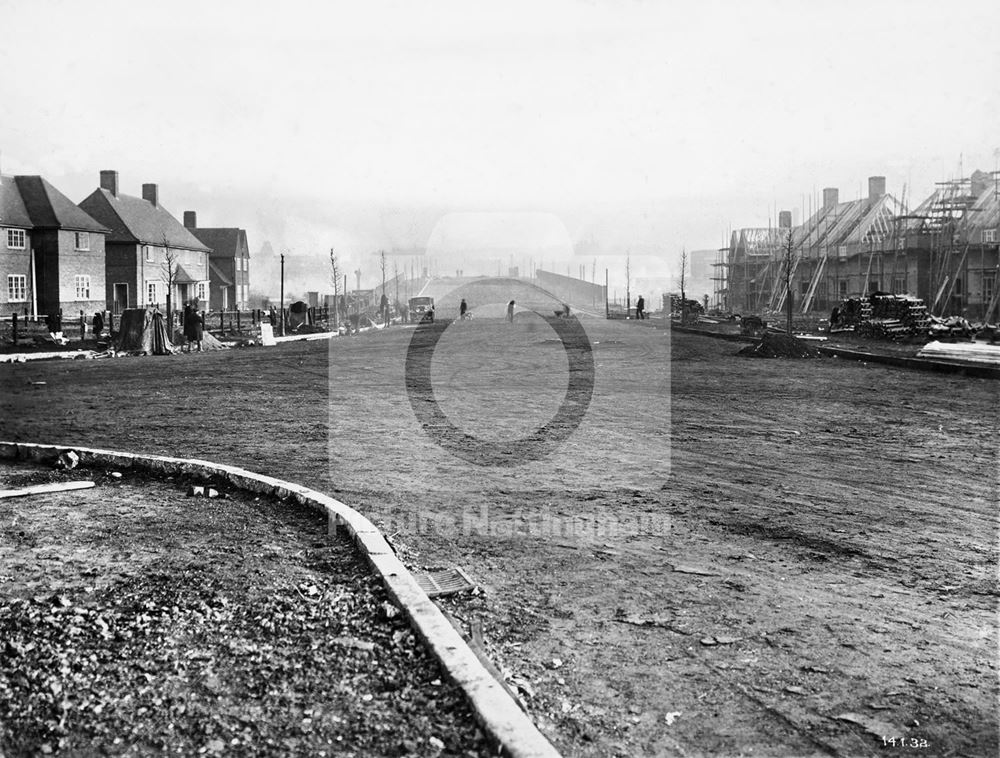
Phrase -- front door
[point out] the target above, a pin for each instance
(121, 296)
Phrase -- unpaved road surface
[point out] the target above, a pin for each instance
(726, 556)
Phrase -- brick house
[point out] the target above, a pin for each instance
(229, 263)
(51, 251)
(144, 242)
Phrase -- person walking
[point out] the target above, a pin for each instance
(640, 308)
(192, 327)
(462, 309)
(510, 311)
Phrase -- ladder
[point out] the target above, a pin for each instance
(868, 272)
(954, 279)
(813, 285)
(994, 300)
(784, 290)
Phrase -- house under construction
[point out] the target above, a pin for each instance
(944, 252)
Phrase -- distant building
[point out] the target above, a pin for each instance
(143, 237)
(944, 252)
(51, 251)
(229, 263)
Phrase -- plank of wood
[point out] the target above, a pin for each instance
(42, 489)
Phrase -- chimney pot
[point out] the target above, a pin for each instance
(831, 196)
(876, 187)
(109, 182)
(190, 219)
(151, 193)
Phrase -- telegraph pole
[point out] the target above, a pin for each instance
(281, 305)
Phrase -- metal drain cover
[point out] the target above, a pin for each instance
(445, 582)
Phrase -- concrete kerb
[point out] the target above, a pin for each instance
(500, 717)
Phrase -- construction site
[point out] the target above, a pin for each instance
(938, 260)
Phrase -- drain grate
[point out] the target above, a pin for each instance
(445, 582)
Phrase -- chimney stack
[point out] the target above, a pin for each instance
(151, 193)
(831, 196)
(190, 220)
(876, 187)
(109, 182)
(784, 219)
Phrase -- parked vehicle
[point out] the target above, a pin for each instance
(420, 307)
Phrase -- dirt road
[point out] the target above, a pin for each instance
(723, 558)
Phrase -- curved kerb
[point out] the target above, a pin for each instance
(497, 713)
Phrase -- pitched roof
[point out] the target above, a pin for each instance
(854, 222)
(12, 210)
(225, 242)
(219, 274)
(133, 219)
(181, 276)
(31, 202)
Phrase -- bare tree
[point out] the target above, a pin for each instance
(788, 247)
(628, 284)
(335, 278)
(384, 310)
(171, 268)
(395, 272)
(684, 261)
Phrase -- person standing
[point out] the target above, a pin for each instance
(640, 308)
(384, 309)
(98, 324)
(510, 311)
(462, 309)
(192, 327)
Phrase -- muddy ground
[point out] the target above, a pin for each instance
(725, 557)
(136, 621)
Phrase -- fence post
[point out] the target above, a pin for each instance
(13, 325)
(239, 328)
(83, 327)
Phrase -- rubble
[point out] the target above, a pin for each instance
(780, 345)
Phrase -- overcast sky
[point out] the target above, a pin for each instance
(360, 124)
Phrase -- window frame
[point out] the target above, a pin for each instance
(11, 233)
(12, 288)
(151, 292)
(81, 283)
(81, 241)
(989, 236)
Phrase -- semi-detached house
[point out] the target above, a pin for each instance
(146, 247)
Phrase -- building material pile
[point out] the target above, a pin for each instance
(973, 352)
(780, 345)
(886, 316)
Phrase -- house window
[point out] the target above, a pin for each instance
(82, 284)
(900, 286)
(17, 288)
(82, 241)
(957, 291)
(989, 236)
(201, 291)
(989, 287)
(842, 288)
(151, 293)
(15, 239)
(148, 252)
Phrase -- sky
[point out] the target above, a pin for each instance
(644, 127)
